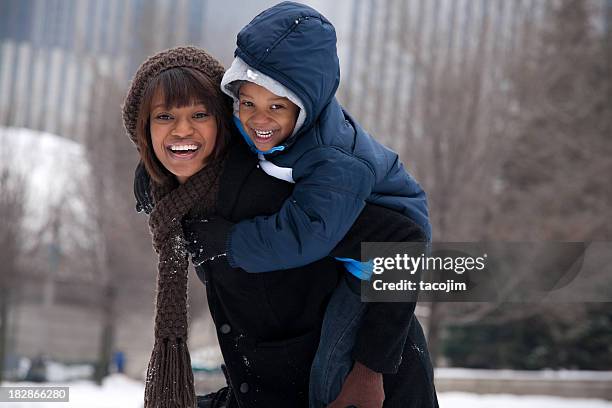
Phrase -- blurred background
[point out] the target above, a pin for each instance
(501, 109)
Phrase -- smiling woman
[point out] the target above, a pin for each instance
(183, 138)
(178, 118)
(182, 124)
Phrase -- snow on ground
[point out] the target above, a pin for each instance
(119, 391)
(207, 359)
(565, 375)
(57, 372)
(464, 400)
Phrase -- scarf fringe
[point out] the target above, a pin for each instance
(169, 381)
(169, 376)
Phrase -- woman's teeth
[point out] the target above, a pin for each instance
(183, 148)
(264, 134)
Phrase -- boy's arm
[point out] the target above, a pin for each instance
(330, 192)
(384, 328)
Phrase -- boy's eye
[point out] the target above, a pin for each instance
(247, 104)
(276, 107)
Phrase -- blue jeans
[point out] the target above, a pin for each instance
(333, 361)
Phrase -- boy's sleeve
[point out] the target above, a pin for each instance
(330, 192)
(385, 326)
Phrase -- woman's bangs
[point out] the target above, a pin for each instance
(180, 88)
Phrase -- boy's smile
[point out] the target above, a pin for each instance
(267, 118)
(263, 136)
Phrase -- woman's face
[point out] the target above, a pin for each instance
(183, 137)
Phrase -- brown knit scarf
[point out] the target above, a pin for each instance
(169, 382)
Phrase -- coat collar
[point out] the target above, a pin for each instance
(239, 164)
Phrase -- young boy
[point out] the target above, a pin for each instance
(288, 114)
(283, 82)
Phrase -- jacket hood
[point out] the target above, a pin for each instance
(238, 74)
(295, 45)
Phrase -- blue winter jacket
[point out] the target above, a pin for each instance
(336, 165)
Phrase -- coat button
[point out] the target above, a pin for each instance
(225, 328)
(244, 388)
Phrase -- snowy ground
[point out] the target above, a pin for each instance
(463, 400)
(117, 391)
(121, 392)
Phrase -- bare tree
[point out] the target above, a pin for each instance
(501, 113)
(12, 206)
(109, 198)
(533, 151)
(454, 145)
(563, 89)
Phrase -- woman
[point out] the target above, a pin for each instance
(268, 325)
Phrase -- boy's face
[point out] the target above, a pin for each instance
(183, 137)
(267, 118)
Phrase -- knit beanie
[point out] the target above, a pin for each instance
(169, 380)
(177, 57)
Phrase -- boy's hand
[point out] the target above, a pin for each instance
(363, 388)
(206, 238)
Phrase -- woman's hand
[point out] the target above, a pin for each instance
(363, 388)
(142, 189)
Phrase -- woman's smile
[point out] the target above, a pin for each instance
(183, 138)
(183, 151)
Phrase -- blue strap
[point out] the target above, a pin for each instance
(361, 270)
(247, 139)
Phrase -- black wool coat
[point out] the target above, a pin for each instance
(268, 324)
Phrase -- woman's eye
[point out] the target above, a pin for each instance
(247, 104)
(163, 116)
(277, 107)
(201, 115)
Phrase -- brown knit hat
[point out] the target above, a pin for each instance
(176, 57)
